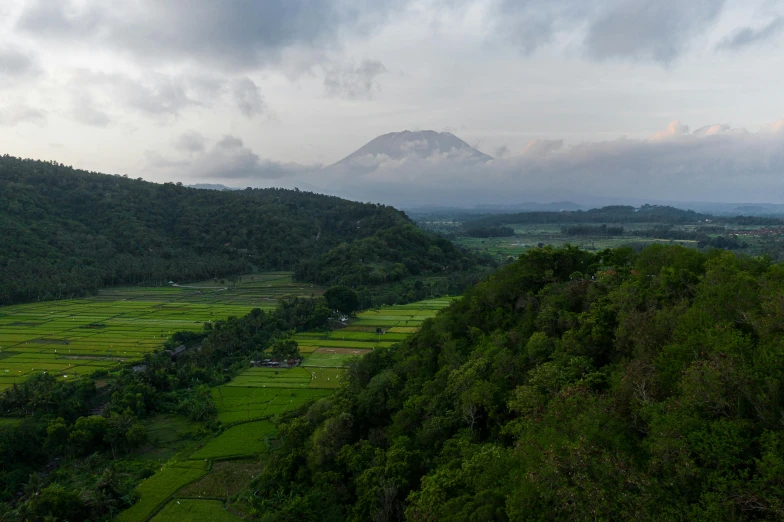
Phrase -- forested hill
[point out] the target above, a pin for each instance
(617, 214)
(67, 232)
(568, 386)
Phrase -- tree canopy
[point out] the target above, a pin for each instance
(68, 232)
(567, 386)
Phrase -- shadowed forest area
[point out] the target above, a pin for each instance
(68, 232)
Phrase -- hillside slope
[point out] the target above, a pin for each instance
(68, 232)
(568, 386)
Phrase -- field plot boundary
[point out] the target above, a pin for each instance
(129, 515)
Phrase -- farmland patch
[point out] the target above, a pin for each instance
(156, 490)
(242, 440)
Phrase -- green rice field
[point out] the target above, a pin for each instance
(194, 510)
(242, 440)
(156, 490)
(246, 404)
(241, 404)
(77, 337)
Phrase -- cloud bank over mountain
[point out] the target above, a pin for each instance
(572, 98)
(712, 163)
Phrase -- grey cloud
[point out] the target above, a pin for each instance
(649, 30)
(228, 158)
(713, 163)
(21, 113)
(643, 30)
(16, 65)
(231, 35)
(155, 95)
(190, 141)
(747, 36)
(247, 96)
(502, 151)
(84, 111)
(541, 148)
(354, 81)
(229, 142)
(530, 24)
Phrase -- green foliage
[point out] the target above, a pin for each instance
(284, 349)
(342, 299)
(67, 232)
(646, 387)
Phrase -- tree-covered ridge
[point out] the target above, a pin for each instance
(68, 232)
(568, 386)
(387, 256)
(617, 214)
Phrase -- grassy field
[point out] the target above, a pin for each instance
(192, 510)
(242, 440)
(76, 337)
(156, 490)
(241, 404)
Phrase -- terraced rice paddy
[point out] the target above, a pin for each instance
(156, 490)
(372, 329)
(76, 337)
(248, 402)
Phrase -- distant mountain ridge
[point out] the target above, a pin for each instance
(419, 144)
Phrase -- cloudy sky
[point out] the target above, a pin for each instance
(662, 99)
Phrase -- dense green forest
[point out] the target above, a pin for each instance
(67, 232)
(568, 386)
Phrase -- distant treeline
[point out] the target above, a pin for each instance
(591, 230)
(700, 235)
(489, 232)
(68, 232)
(618, 214)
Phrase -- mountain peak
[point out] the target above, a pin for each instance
(419, 144)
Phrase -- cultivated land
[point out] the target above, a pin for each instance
(219, 467)
(76, 337)
(372, 329)
(761, 240)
